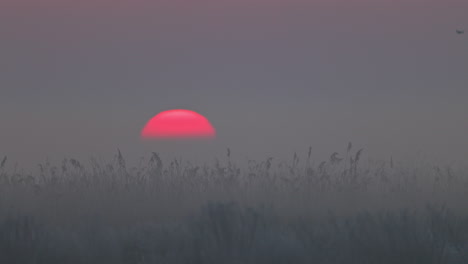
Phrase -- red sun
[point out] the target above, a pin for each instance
(178, 123)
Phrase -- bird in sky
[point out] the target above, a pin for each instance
(460, 31)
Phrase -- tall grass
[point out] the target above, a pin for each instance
(334, 211)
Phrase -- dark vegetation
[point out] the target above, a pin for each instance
(335, 211)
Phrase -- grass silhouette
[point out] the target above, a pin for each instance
(338, 211)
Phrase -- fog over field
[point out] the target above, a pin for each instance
(335, 211)
(341, 131)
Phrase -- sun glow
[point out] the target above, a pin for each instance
(178, 123)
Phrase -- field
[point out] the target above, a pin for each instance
(335, 211)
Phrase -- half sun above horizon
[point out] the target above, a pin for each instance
(178, 123)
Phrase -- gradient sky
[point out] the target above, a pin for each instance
(81, 78)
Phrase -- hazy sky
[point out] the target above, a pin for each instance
(81, 78)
